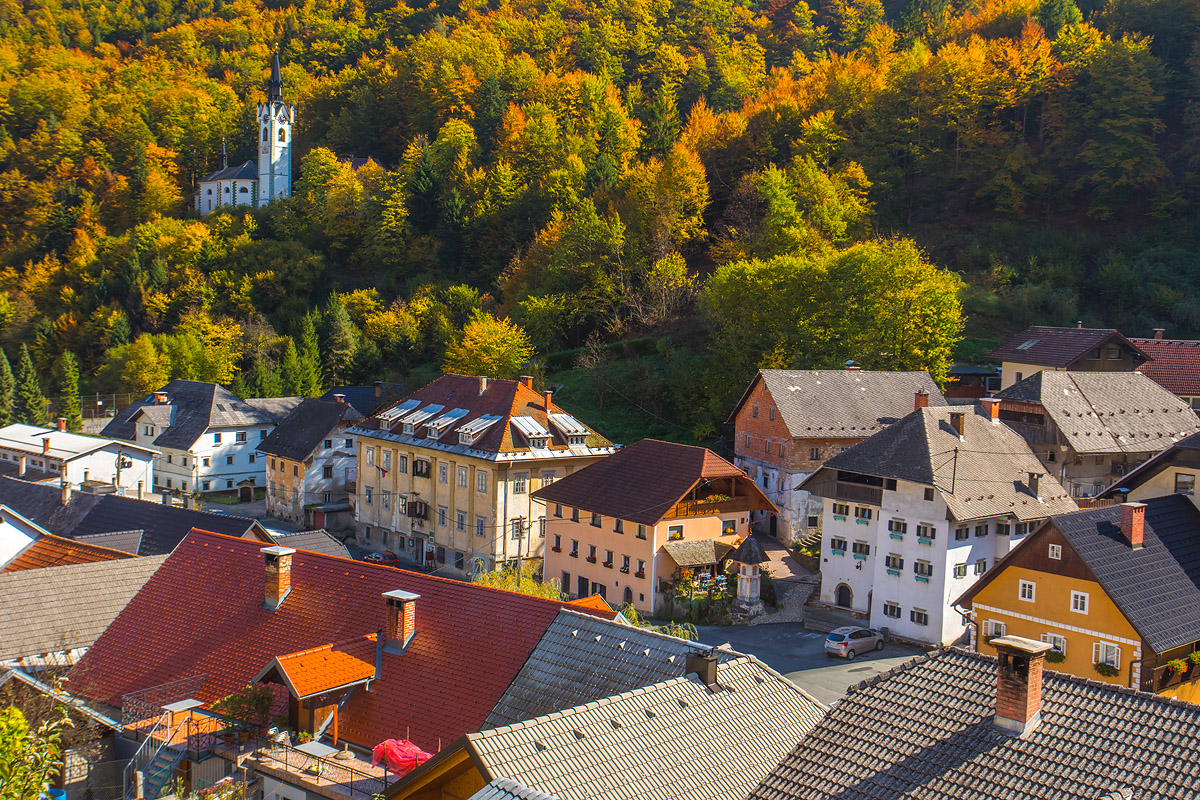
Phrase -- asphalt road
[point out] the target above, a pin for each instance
(799, 654)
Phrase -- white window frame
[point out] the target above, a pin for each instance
(481, 481)
(994, 627)
(1022, 586)
(1055, 552)
(1106, 653)
(1056, 642)
(520, 483)
(1075, 596)
(462, 477)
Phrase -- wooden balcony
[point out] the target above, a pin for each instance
(704, 508)
(1162, 678)
(853, 492)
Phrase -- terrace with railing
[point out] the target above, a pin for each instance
(143, 708)
(322, 770)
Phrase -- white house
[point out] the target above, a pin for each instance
(916, 513)
(82, 462)
(206, 436)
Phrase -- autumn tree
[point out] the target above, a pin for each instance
(489, 346)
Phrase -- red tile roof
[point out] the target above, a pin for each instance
(1056, 347)
(202, 614)
(328, 667)
(54, 551)
(595, 605)
(642, 482)
(1175, 365)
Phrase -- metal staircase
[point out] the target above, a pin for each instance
(157, 760)
(160, 771)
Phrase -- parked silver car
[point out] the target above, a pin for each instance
(848, 641)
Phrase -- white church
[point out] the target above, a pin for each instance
(246, 184)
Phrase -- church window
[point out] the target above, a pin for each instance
(266, 134)
(209, 191)
(283, 134)
(243, 190)
(226, 190)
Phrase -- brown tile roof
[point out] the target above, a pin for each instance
(53, 551)
(1175, 365)
(329, 666)
(1056, 347)
(642, 482)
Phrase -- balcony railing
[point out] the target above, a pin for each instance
(357, 784)
(147, 704)
(704, 508)
(854, 492)
(1161, 678)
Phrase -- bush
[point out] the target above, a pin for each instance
(1177, 665)
(1107, 670)
(1055, 657)
(1194, 657)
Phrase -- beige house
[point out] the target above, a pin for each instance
(630, 525)
(1078, 349)
(446, 477)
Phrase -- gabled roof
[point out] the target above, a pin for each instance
(201, 615)
(985, 474)
(368, 399)
(246, 171)
(581, 659)
(306, 427)
(642, 482)
(125, 541)
(674, 739)
(1174, 364)
(64, 445)
(749, 552)
(1108, 412)
(1058, 347)
(192, 408)
(62, 608)
(53, 551)
(841, 403)
(317, 541)
(1185, 452)
(499, 412)
(328, 667)
(924, 730)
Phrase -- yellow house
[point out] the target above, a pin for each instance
(445, 477)
(1115, 590)
(632, 522)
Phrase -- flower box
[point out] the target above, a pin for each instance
(838, 552)
(899, 536)
(839, 517)
(928, 542)
(625, 570)
(556, 549)
(862, 522)
(608, 564)
(574, 554)
(893, 572)
(922, 579)
(591, 559)
(639, 574)
(860, 556)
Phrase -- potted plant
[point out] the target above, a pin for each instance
(1055, 656)
(1107, 670)
(1194, 658)
(1177, 666)
(303, 737)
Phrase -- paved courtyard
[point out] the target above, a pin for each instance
(799, 654)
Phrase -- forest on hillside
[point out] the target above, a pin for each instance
(647, 199)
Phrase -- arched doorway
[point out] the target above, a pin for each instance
(843, 596)
(628, 596)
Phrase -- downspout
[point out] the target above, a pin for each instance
(1136, 662)
(502, 522)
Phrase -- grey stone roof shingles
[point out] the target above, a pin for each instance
(985, 474)
(317, 541)
(125, 541)
(302, 430)
(1108, 412)
(697, 552)
(924, 730)
(673, 739)
(66, 607)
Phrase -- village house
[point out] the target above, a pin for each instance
(1172, 471)
(960, 725)
(1076, 349)
(445, 477)
(311, 460)
(1174, 365)
(631, 524)
(1089, 428)
(87, 463)
(206, 436)
(26, 545)
(789, 422)
(919, 511)
(1114, 590)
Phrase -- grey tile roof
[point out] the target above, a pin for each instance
(246, 171)
(749, 552)
(303, 430)
(194, 407)
(924, 730)
(317, 541)
(674, 739)
(840, 403)
(507, 789)
(364, 399)
(1183, 451)
(1156, 588)
(1108, 412)
(1056, 347)
(581, 658)
(67, 607)
(125, 541)
(697, 553)
(985, 474)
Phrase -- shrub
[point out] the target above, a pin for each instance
(1055, 657)
(1177, 665)
(1194, 657)
(1107, 670)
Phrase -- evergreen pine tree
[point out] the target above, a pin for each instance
(6, 389)
(308, 380)
(264, 377)
(289, 370)
(340, 341)
(68, 391)
(29, 406)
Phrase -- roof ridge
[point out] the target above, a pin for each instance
(915, 661)
(329, 645)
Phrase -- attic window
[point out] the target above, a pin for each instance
(538, 442)
(1027, 344)
(575, 441)
(409, 428)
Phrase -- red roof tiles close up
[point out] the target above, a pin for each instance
(1175, 365)
(202, 614)
(55, 551)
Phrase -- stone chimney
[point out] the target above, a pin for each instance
(341, 398)
(921, 400)
(1079, 324)
(278, 575)
(1133, 523)
(1158, 332)
(22, 466)
(705, 667)
(62, 424)
(378, 389)
(958, 422)
(527, 381)
(1033, 484)
(166, 498)
(66, 490)
(401, 622)
(160, 398)
(991, 407)
(1019, 683)
(482, 384)
(549, 398)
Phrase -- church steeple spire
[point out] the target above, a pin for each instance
(275, 86)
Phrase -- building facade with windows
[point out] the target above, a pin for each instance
(919, 511)
(1115, 590)
(628, 525)
(446, 477)
(311, 462)
(1090, 428)
(789, 422)
(206, 436)
(87, 463)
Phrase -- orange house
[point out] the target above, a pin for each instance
(1114, 590)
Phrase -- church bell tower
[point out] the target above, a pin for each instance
(275, 121)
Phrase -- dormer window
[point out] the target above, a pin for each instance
(538, 442)
(409, 428)
(576, 441)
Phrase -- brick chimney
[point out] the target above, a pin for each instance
(1033, 484)
(46, 446)
(341, 398)
(160, 398)
(958, 422)
(921, 400)
(705, 667)
(549, 398)
(527, 381)
(1019, 683)
(1158, 332)
(401, 622)
(991, 408)
(62, 424)
(378, 389)
(1133, 522)
(278, 575)
(482, 384)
